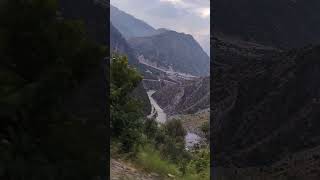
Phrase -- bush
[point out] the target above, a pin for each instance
(176, 131)
(127, 123)
(151, 160)
(205, 128)
(151, 129)
(200, 163)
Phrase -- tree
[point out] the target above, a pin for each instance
(205, 128)
(176, 131)
(126, 112)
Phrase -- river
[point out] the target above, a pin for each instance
(161, 117)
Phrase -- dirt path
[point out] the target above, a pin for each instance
(124, 171)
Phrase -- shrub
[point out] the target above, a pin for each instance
(176, 131)
(151, 160)
(205, 128)
(126, 113)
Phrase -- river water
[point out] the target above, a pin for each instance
(161, 117)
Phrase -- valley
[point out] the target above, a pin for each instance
(174, 88)
(165, 74)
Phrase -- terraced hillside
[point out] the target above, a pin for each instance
(186, 98)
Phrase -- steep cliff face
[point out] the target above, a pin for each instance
(128, 25)
(119, 44)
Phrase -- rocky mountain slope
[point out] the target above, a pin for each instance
(186, 98)
(128, 25)
(119, 44)
(172, 51)
(194, 122)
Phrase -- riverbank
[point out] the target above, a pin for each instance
(161, 117)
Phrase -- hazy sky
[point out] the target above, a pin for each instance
(188, 16)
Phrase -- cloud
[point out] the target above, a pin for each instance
(203, 12)
(172, 1)
(200, 8)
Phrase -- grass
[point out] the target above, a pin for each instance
(151, 160)
(193, 176)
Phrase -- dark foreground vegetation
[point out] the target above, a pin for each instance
(48, 67)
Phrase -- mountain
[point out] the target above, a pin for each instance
(173, 46)
(280, 23)
(204, 41)
(119, 44)
(128, 25)
(138, 34)
(171, 50)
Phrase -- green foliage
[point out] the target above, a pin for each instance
(200, 163)
(168, 139)
(151, 160)
(151, 129)
(205, 128)
(123, 79)
(126, 113)
(156, 148)
(176, 131)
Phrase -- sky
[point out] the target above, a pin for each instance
(188, 16)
